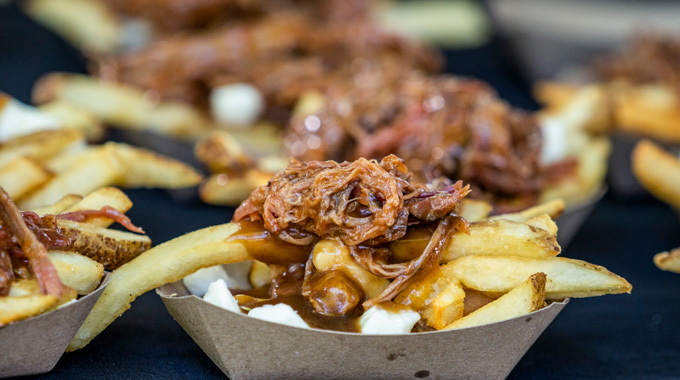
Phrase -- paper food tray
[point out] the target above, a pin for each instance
(35, 345)
(248, 348)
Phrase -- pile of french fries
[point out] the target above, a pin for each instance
(659, 172)
(40, 168)
(506, 266)
(583, 118)
(650, 110)
(94, 247)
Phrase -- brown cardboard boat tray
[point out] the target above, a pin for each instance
(248, 348)
(35, 345)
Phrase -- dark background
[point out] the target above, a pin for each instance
(633, 336)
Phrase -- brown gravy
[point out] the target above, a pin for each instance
(346, 323)
(266, 247)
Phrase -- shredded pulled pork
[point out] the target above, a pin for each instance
(364, 204)
(403, 273)
(282, 54)
(48, 232)
(649, 59)
(13, 225)
(105, 212)
(171, 16)
(6, 272)
(441, 125)
(27, 235)
(357, 202)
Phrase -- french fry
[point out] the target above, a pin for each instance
(24, 287)
(448, 305)
(144, 168)
(41, 146)
(123, 106)
(13, 309)
(587, 183)
(669, 261)
(555, 95)
(587, 109)
(106, 196)
(231, 190)
(474, 210)
(553, 208)
(657, 171)
(21, 176)
(528, 297)
(259, 275)
(260, 139)
(488, 237)
(566, 277)
(76, 271)
(89, 25)
(221, 152)
(73, 117)
(329, 255)
(449, 24)
(502, 238)
(648, 110)
(82, 178)
(111, 164)
(59, 207)
(112, 248)
(68, 159)
(438, 297)
(165, 263)
(545, 223)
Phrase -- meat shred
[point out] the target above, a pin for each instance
(24, 235)
(649, 59)
(364, 201)
(283, 54)
(442, 126)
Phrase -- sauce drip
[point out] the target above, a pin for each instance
(263, 246)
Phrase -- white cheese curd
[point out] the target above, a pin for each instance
(279, 313)
(237, 104)
(18, 119)
(134, 34)
(198, 282)
(380, 321)
(238, 275)
(219, 295)
(554, 146)
(234, 275)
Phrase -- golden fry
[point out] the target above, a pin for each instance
(527, 297)
(669, 261)
(657, 171)
(566, 277)
(112, 248)
(76, 271)
(21, 176)
(165, 263)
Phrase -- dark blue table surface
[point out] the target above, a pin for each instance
(633, 336)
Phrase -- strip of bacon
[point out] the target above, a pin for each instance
(105, 212)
